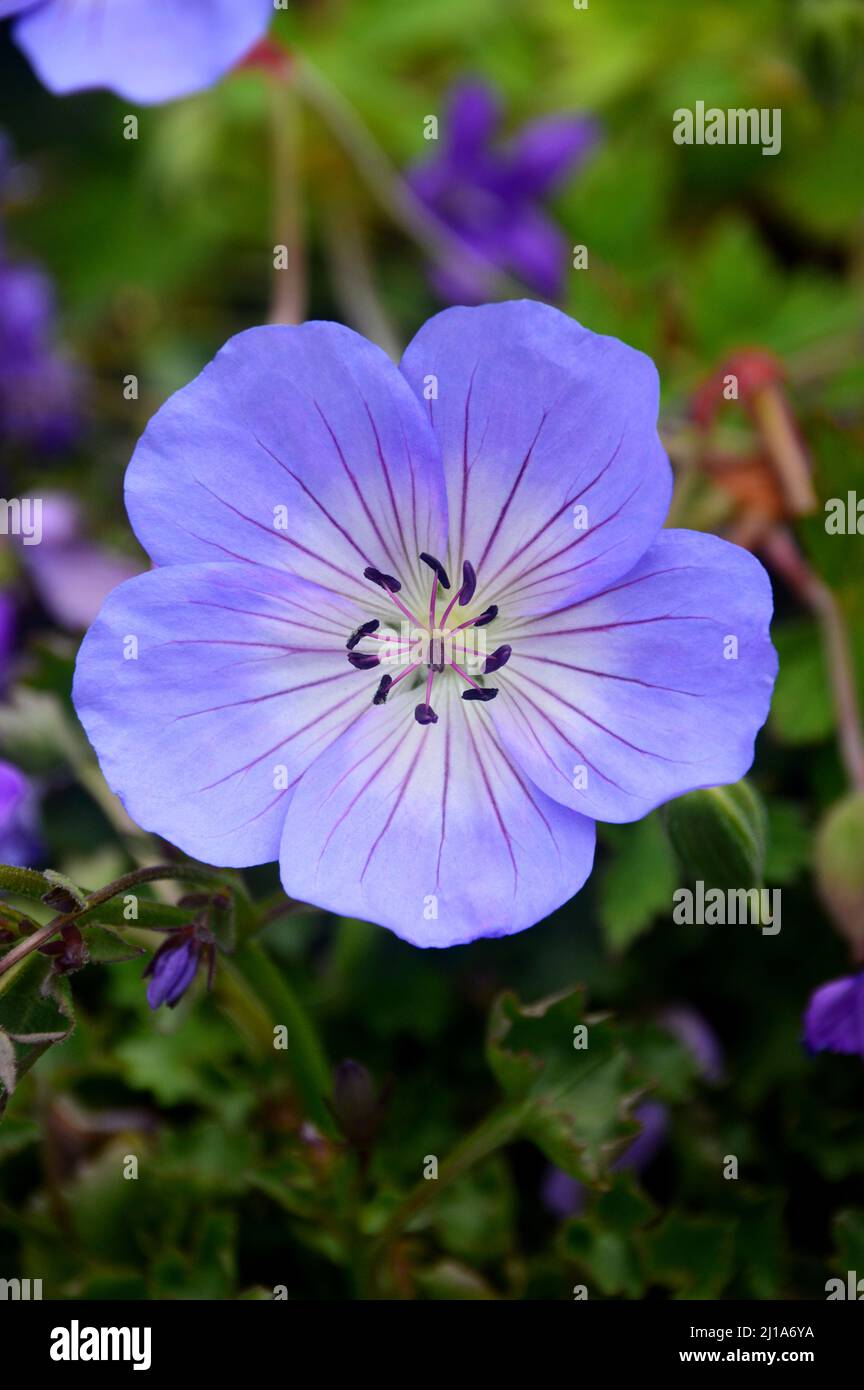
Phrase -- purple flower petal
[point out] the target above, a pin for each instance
(473, 115)
(38, 388)
(834, 1021)
(639, 686)
(145, 50)
(548, 149)
(10, 7)
(536, 418)
(531, 244)
(19, 837)
(428, 831)
(72, 576)
(239, 681)
(296, 448)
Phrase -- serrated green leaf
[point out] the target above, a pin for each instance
(573, 1102)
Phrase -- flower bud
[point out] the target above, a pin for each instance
(840, 867)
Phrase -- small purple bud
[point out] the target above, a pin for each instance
(172, 970)
(355, 1103)
(425, 714)
(483, 695)
(363, 661)
(487, 616)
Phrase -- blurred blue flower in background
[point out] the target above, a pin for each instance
(489, 194)
(72, 575)
(39, 388)
(146, 50)
(19, 835)
(834, 1020)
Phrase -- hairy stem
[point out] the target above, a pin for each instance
(499, 1128)
(783, 554)
(26, 880)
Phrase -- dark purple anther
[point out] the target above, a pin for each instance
(475, 693)
(425, 714)
(487, 616)
(363, 661)
(386, 581)
(362, 631)
(383, 690)
(436, 565)
(469, 583)
(498, 658)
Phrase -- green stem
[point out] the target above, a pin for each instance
(288, 301)
(28, 883)
(499, 1128)
(305, 1053)
(391, 190)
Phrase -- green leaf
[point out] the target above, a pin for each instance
(35, 1012)
(788, 851)
(801, 707)
(690, 1255)
(24, 883)
(638, 881)
(608, 1258)
(840, 865)
(572, 1101)
(718, 835)
(105, 947)
(849, 1239)
(304, 1053)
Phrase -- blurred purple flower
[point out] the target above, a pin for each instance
(489, 194)
(696, 1034)
(146, 50)
(834, 1019)
(38, 387)
(564, 1196)
(173, 968)
(70, 574)
(19, 835)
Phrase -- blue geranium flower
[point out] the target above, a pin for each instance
(248, 700)
(146, 50)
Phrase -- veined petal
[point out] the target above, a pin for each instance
(649, 690)
(429, 830)
(207, 690)
(556, 478)
(146, 50)
(297, 447)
